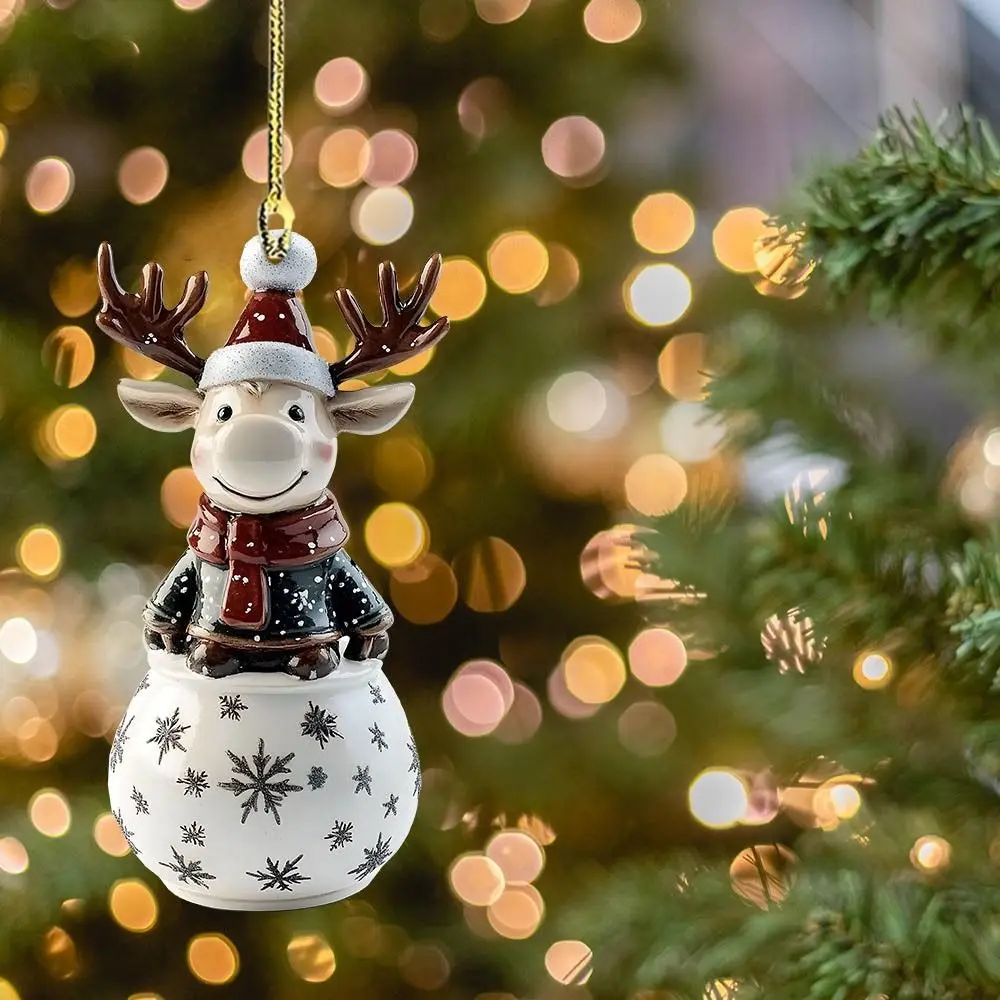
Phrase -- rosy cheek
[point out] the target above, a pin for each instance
(199, 451)
(324, 451)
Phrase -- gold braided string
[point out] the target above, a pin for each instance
(276, 202)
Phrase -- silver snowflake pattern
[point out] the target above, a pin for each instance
(418, 778)
(282, 878)
(390, 806)
(377, 697)
(341, 834)
(126, 832)
(262, 782)
(143, 684)
(193, 833)
(375, 857)
(363, 777)
(378, 738)
(319, 724)
(141, 805)
(231, 707)
(195, 782)
(121, 738)
(302, 602)
(168, 734)
(316, 778)
(188, 871)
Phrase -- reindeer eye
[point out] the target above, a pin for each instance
(225, 412)
(295, 412)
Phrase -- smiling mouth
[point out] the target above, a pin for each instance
(272, 496)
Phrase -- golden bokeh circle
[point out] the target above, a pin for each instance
(109, 837)
(594, 669)
(213, 959)
(403, 466)
(143, 174)
(518, 913)
(612, 21)
(655, 484)
(396, 534)
(311, 958)
(735, 237)
(40, 552)
(491, 575)
(73, 287)
(70, 432)
(48, 184)
(49, 812)
(569, 962)
(517, 261)
(663, 222)
(657, 657)
(476, 879)
(133, 906)
(425, 591)
(179, 496)
(69, 353)
(519, 856)
(461, 290)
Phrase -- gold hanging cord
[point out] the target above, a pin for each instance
(276, 203)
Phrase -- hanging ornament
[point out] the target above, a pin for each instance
(265, 762)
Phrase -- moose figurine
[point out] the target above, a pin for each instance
(265, 641)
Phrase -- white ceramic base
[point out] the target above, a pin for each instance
(261, 791)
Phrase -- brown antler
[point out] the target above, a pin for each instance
(400, 336)
(141, 321)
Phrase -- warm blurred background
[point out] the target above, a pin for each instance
(596, 174)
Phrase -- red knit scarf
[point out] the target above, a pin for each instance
(248, 544)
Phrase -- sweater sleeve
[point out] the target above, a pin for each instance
(353, 603)
(172, 605)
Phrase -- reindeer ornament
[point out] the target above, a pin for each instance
(265, 761)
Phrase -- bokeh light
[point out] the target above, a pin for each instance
(40, 552)
(691, 432)
(7, 991)
(396, 534)
(443, 20)
(517, 261)
(501, 11)
(190, 4)
(718, 798)
(483, 107)
(341, 85)
(213, 959)
(344, 157)
(681, 367)
(108, 836)
(573, 147)
(403, 465)
(762, 875)
(424, 966)
(425, 591)
(59, 954)
(382, 215)
(392, 157)
(137, 366)
(132, 905)
(48, 185)
(142, 174)
(255, 154)
(70, 432)
(647, 728)
(523, 719)
(663, 222)
(519, 856)
(655, 484)
(607, 564)
(576, 401)
(735, 236)
(13, 856)
(562, 277)
(845, 799)
(657, 657)
(612, 21)
(518, 913)
(461, 290)
(873, 670)
(658, 294)
(491, 575)
(931, 854)
(69, 353)
(74, 288)
(478, 696)
(476, 879)
(311, 958)
(18, 640)
(569, 962)
(49, 812)
(594, 669)
(179, 496)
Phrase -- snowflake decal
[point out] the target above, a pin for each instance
(316, 778)
(126, 832)
(188, 871)
(375, 857)
(418, 778)
(377, 697)
(231, 707)
(390, 806)
(341, 834)
(194, 833)
(378, 738)
(143, 684)
(141, 805)
(168, 734)
(263, 781)
(195, 782)
(363, 777)
(121, 738)
(320, 724)
(302, 602)
(282, 878)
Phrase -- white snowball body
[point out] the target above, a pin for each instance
(261, 791)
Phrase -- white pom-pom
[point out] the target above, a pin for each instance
(292, 274)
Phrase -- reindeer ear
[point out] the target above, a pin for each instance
(160, 405)
(370, 411)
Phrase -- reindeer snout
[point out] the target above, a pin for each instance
(259, 455)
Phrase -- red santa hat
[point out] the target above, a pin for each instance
(273, 340)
